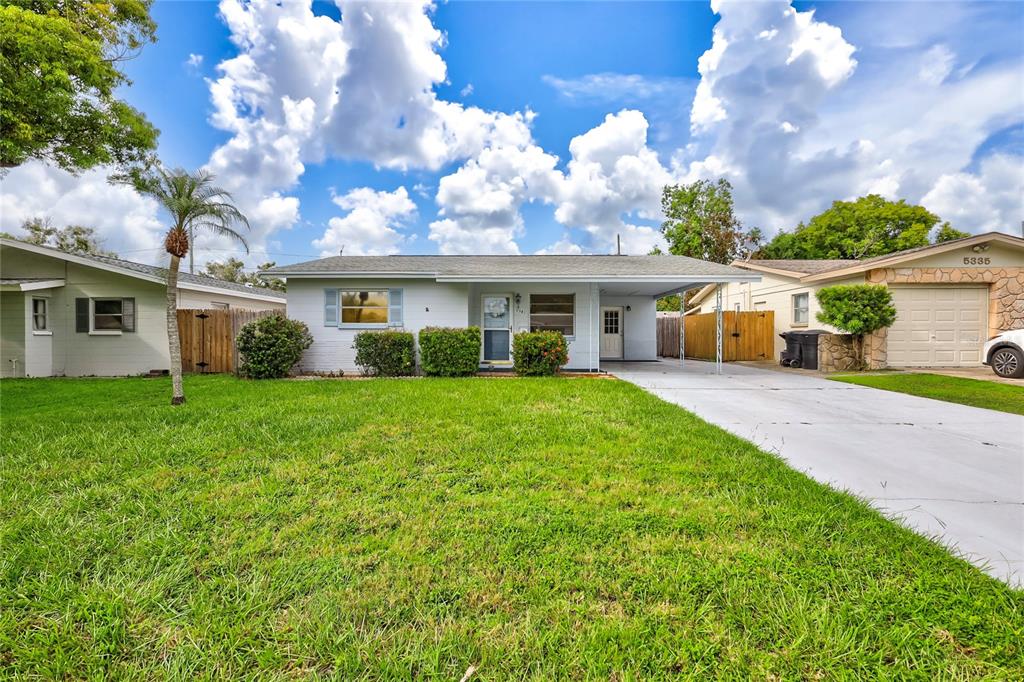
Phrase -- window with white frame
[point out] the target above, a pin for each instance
(553, 312)
(801, 308)
(40, 317)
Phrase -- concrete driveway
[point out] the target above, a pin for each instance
(948, 471)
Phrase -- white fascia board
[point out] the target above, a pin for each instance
(351, 275)
(33, 286)
(646, 279)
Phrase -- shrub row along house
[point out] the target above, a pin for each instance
(604, 305)
(949, 297)
(64, 314)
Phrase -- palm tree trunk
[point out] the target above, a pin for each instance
(173, 342)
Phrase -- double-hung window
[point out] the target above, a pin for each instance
(40, 317)
(801, 309)
(553, 312)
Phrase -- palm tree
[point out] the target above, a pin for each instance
(194, 203)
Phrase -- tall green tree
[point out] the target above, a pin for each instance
(72, 238)
(700, 222)
(194, 203)
(233, 270)
(60, 64)
(870, 226)
(947, 233)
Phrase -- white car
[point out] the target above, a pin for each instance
(1004, 353)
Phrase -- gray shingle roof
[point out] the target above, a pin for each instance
(159, 272)
(26, 280)
(512, 266)
(804, 267)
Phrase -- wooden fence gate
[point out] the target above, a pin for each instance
(745, 336)
(208, 338)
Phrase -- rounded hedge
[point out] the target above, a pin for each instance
(539, 353)
(269, 347)
(385, 353)
(449, 351)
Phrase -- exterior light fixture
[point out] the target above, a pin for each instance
(519, 299)
(628, 308)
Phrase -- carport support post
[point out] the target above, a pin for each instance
(718, 329)
(682, 328)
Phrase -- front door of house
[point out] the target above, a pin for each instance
(611, 332)
(497, 328)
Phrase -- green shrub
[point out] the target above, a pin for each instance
(857, 309)
(539, 353)
(450, 352)
(269, 347)
(385, 353)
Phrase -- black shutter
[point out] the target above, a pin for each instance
(82, 315)
(128, 314)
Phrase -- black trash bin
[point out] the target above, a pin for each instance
(801, 348)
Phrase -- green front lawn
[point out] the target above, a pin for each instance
(974, 392)
(546, 528)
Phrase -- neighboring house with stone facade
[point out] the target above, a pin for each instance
(950, 298)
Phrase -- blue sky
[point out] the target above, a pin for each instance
(518, 127)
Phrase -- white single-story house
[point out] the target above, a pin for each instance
(949, 297)
(605, 305)
(64, 314)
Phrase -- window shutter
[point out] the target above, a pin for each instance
(330, 307)
(395, 297)
(127, 314)
(81, 316)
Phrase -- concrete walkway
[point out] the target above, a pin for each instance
(948, 471)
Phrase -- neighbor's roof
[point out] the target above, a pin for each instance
(819, 270)
(150, 273)
(802, 267)
(467, 268)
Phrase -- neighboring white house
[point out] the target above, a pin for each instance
(605, 305)
(65, 314)
(950, 297)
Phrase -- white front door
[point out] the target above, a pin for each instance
(611, 332)
(941, 326)
(497, 328)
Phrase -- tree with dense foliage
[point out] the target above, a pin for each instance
(233, 270)
(867, 227)
(270, 346)
(947, 233)
(700, 222)
(193, 202)
(60, 68)
(857, 309)
(72, 238)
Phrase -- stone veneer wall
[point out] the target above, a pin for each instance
(1005, 292)
(838, 352)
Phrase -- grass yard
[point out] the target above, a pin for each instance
(974, 392)
(407, 529)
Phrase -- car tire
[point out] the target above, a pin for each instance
(1007, 362)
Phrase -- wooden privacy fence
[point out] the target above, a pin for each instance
(208, 337)
(745, 336)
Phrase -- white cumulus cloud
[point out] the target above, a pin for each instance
(372, 225)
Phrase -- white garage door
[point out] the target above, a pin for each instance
(938, 326)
